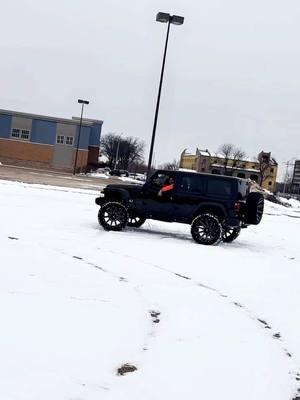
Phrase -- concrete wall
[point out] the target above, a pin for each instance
(21, 123)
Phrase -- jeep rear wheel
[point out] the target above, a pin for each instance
(255, 208)
(230, 234)
(113, 216)
(206, 229)
(135, 221)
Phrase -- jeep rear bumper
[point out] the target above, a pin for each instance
(233, 222)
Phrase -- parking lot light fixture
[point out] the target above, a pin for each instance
(169, 19)
(82, 102)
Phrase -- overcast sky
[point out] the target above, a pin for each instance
(232, 72)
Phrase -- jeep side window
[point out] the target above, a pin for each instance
(192, 184)
(158, 180)
(219, 187)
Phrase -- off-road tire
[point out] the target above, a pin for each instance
(254, 208)
(113, 216)
(135, 221)
(206, 229)
(230, 234)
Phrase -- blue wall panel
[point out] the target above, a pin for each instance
(95, 135)
(84, 137)
(43, 131)
(5, 124)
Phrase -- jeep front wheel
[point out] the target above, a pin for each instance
(230, 234)
(113, 216)
(206, 229)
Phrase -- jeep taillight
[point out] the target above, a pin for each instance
(237, 207)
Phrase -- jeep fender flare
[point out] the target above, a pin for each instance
(119, 195)
(212, 208)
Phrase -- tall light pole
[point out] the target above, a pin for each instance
(82, 102)
(169, 19)
(287, 176)
(117, 153)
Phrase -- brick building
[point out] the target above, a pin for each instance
(262, 170)
(47, 142)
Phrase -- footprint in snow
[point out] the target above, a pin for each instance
(267, 326)
(155, 315)
(13, 238)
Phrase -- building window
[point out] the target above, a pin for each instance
(272, 170)
(60, 139)
(20, 133)
(25, 134)
(69, 140)
(15, 133)
(254, 178)
(270, 183)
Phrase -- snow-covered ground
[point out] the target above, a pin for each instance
(76, 304)
(121, 178)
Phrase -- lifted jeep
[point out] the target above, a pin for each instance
(215, 206)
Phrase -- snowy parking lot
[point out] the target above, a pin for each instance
(215, 322)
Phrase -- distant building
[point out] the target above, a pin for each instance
(47, 142)
(296, 177)
(263, 170)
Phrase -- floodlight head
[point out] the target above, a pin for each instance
(177, 20)
(162, 17)
(80, 101)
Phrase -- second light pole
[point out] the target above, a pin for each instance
(169, 19)
(82, 102)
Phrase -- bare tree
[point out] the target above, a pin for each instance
(226, 150)
(131, 150)
(121, 151)
(173, 165)
(138, 167)
(238, 155)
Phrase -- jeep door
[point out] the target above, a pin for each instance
(154, 203)
(189, 194)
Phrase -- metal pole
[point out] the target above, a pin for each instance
(78, 139)
(158, 101)
(286, 176)
(117, 155)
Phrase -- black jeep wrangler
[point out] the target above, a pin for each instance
(215, 206)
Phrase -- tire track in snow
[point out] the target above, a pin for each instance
(295, 375)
